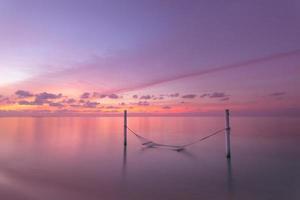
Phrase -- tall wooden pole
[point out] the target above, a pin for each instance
(125, 127)
(227, 134)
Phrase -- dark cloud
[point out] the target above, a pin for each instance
(204, 95)
(30, 103)
(69, 101)
(276, 94)
(122, 104)
(145, 97)
(174, 95)
(158, 98)
(40, 101)
(99, 95)
(218, 95)
(143, 103)
(166, 107)
(189, 96)
(90, 104)
(23, 102)
(224, 99)
(54, 104)
(23, 94)
(135, 96)
(113, 96)
(46, 95)
(85, 95)
(75, 105)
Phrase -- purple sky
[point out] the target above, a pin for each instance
(246, 50)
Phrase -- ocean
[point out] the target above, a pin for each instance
(83, 158)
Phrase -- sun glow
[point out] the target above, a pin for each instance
(10, 76)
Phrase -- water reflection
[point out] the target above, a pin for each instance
(84, 158)
(230, 184)
(124, 163)
(185, 152)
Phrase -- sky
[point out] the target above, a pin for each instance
(167, 57)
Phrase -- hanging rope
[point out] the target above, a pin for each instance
(151, 143)
(144, 140)
(206, 137)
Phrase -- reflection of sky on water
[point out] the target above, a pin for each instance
(84, 158)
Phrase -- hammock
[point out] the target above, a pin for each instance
(150, 143)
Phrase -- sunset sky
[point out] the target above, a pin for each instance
(93, 57)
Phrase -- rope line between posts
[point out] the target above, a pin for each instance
(151, 143)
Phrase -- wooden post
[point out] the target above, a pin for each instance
(227, 134)
(125, 127)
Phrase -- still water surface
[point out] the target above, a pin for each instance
(84, 159)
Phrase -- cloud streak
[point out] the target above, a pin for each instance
(213, 70)
(189, 96)
(276, 94)
(216, 95)
(146, 97)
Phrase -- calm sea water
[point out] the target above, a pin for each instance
(84, 159)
